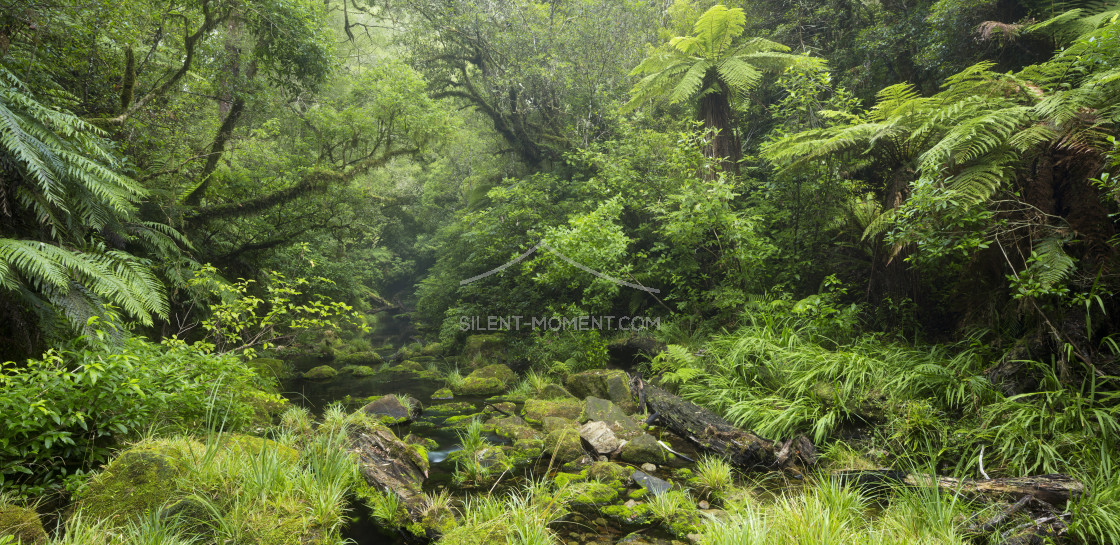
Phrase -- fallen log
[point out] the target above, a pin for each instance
(709, 432)
(1054, 489)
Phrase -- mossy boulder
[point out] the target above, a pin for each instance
(611, 384)
(593, 493)
(443, 393)
(604, 410)
(513, 428)
(271, 367)
(254, 447)
(393, 409)
(322, 372)
(555, 391)
(432, 349)
(23, 524)
(359, 371)
(563, 446)
(407, 366)
(139, 481)
(447, 409)
(366, 358)
(631, 512)
(536, 410)
(609, 473)
(553, 423)
(524, 451)
(489, 380)
(644, 449)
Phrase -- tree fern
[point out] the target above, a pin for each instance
(63, 196)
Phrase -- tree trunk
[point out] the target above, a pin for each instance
(723, 143)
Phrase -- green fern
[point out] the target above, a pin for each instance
(63, 180)
(708, 61)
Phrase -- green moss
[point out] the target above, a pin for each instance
(683, 523)
(536, 410)
(563, 479)
(489, 380)
(609, 473)
(427, 442)
(459, 407)
(460, 420)
(322, 372)
(253, 447)
(512, 427)
(593, 493)
(140, 480)
(629, 513)
(443, 393)
(563, 446)
(409, 366)
(433, 349)
(637, 493)
(525, 450)
(23, 524)
(265, 406)
(358, 370)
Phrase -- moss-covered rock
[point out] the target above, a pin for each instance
(609, 473)
(255, 447)
(536, 410)
(593, 493)
(684, 522)
(393, 409)
(271, 367)
(631, 512)
(322, 372)
(139, 481)
(552, 423)
(23, 524)
(432, 349)
(489, 380)
(644, 449)
(524, 451)
(555, 391)
(443, 393)
(563, 446)
(359, 371)
(513, 428)
(448, 409)
(362, 359)
(563, 479)
(408, 366)
(461, 420)
(606, 411)
(611, 384)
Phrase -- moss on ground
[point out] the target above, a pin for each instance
(23, 524)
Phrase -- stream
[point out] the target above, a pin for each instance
(579, 527)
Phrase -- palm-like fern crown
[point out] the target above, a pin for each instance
(964, 143)
(709, 61)
(60, 173)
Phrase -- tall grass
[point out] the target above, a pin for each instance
(780, 378)
(834, 513)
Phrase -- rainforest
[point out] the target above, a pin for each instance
(571, 272)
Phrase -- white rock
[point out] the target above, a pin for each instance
(599, 436)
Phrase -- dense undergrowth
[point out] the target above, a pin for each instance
(794, 371)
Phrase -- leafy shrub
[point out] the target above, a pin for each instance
(65, 411)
